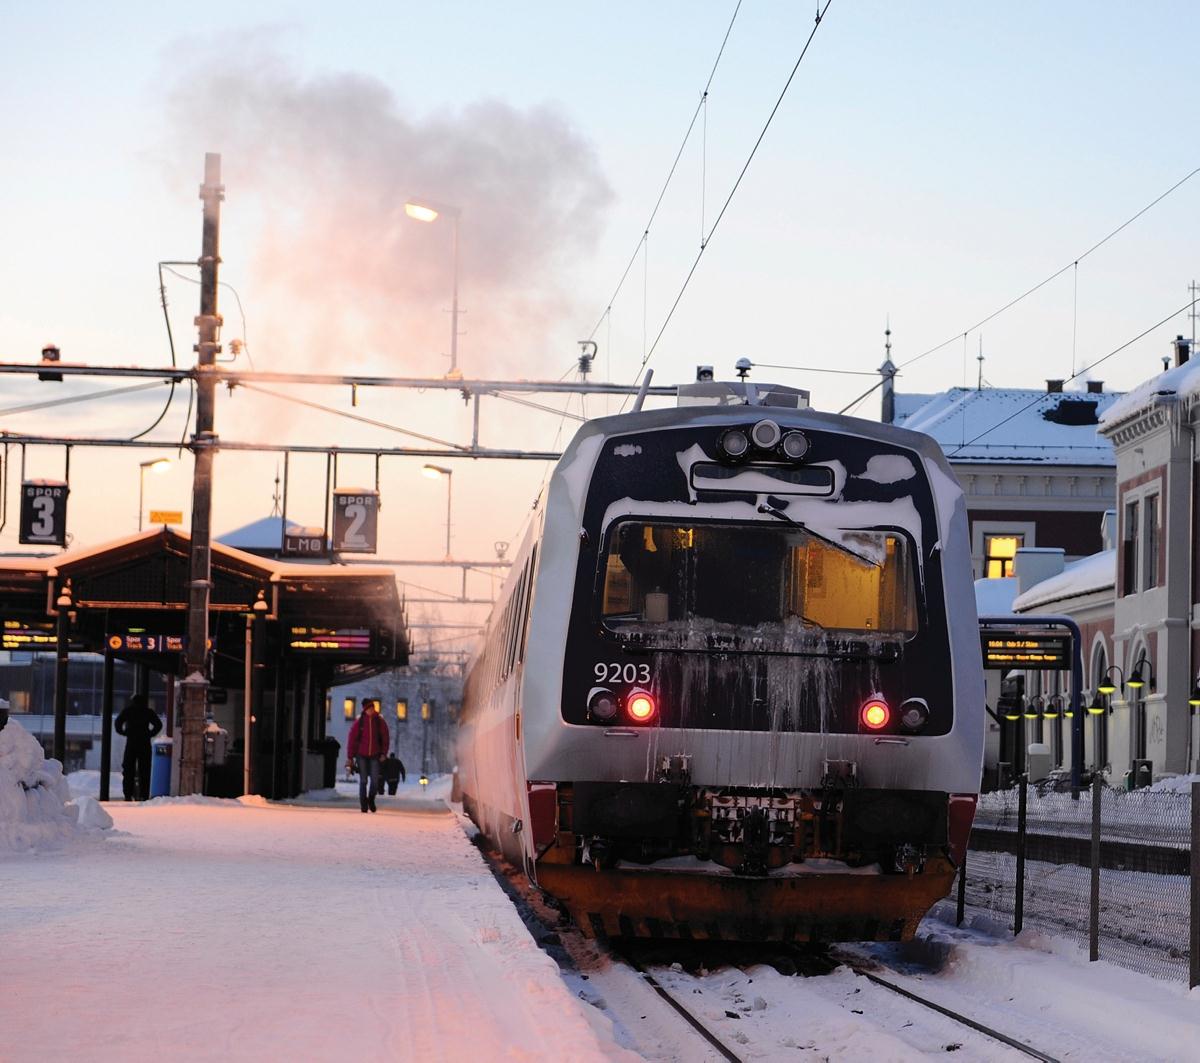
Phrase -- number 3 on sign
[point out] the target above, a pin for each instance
(615, 672)
(44, 524)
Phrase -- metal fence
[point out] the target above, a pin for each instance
(1114, 871)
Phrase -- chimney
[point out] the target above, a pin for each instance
(1183, 349)
(1095, 387)
(1054, 387)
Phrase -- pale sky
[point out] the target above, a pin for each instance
(929, 163)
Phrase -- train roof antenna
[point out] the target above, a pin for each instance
(641, 395)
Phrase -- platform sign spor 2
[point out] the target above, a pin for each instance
(355, 520)
(44, 512)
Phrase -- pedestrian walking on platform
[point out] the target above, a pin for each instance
(138, 723)
(366, 748)
(393, 772)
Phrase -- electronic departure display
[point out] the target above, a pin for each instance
(352, 641)
(1034, 651)
(27, 635)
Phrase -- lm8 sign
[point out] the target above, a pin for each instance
(355, 520)
(44, 512)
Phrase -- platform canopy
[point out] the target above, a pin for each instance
(349, 618)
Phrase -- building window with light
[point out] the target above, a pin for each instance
(348, 708)
(328, 708)
(999, 553)
(426, 710)
(402, 709)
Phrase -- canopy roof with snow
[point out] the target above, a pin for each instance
(1015, 425)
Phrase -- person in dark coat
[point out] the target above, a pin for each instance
(393, 772)
(138, 723)
(366, 749)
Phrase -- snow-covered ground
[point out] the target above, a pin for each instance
(211, 929)
(224, 930)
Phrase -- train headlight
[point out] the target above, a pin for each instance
(794, 446)
(602, 704)
(734, 444)
(914, 714)
(875, 714)
(766, 434)
(641, 707)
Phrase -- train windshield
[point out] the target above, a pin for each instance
(673, 585)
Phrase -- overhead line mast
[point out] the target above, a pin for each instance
(204, 446)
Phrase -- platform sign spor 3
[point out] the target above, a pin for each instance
(44, 512)
(355, 520)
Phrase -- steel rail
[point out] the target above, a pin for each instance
(963, 1020)
(691, 1019)
(234, 376)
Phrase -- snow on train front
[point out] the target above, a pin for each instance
(747, 699)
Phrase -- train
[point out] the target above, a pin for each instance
(732, 686)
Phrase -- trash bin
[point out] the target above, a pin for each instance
(160, 768)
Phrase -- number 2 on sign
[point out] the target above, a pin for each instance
(615, 672)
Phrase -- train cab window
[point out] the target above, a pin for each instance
(779, 580)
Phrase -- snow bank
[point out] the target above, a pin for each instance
(35, 809)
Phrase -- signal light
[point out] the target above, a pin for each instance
(876, 714)
(914, 714)
(641, 707)
(794, 446)
(602, 705)
(766, 434)
(734, 444)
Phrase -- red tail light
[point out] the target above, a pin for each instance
(875, 714)
(641, 707)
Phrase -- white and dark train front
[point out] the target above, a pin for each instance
(766, 723)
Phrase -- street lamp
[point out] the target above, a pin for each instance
(433, 472)
(158, 465)
(428, 211)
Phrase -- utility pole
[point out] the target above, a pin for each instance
(204, 443)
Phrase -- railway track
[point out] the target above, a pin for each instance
(806, 963)
(835, 960)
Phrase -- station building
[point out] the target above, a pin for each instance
(1033, 464)
(1137, 600)
(282, 635)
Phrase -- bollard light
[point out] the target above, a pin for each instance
(424, 781)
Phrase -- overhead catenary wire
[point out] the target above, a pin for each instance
(1056, 274)
(670, 174)
(49, 404)
(733, 191)
(350, 416)
(1081, 372)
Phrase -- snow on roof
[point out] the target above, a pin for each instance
(1089, 574)
(1017, 425)
(994, 597)
(1183, 381)
(907, 405)
(264, 534)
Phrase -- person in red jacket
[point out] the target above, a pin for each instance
(366, 749)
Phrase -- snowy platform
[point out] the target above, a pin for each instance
(223, 930)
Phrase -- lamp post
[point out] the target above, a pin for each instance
(158, 465)
(64, 604)
(257, 611)
(433, 472)
(427, 211)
